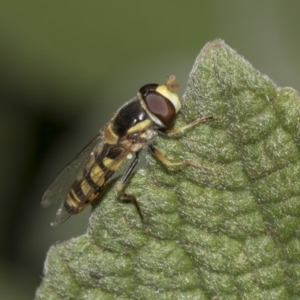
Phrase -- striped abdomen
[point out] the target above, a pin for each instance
(99, 170)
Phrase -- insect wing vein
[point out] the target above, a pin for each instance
(62, 183)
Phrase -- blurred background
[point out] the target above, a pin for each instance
(67, 66)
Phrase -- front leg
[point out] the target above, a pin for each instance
(194, 123)
(168, 163)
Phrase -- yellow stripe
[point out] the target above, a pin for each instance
(139, 126)
(85, 187)
(109, 136)
(76, 206)
(97, 175)
(107, 161)
(73, 202)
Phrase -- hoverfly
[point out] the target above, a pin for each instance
(134, 126)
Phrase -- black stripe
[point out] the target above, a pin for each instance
(112, 152)
(99, 161)
(72, 196)
(69, 208)
(106, 171)
(76, 186)
(87, 176)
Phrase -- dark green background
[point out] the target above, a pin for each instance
(66, 66)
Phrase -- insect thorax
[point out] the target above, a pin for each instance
(129, 115)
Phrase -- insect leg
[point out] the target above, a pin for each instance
(124, 197)
(194, 123)
(168, 163)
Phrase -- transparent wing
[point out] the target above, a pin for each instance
(61, 185)
(98, 177)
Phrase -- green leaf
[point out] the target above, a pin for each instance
(231, 232)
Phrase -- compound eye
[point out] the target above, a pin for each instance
(160, 107)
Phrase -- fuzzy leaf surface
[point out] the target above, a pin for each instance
(229, 232)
